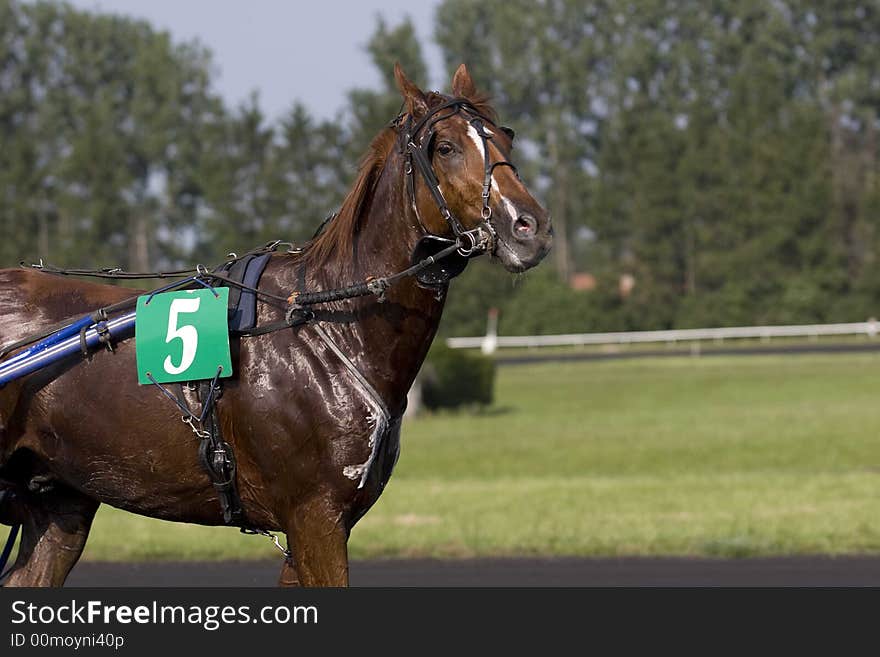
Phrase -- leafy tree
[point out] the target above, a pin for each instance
(94, 111)
(543, 65)
(369, 110)
(723, 156)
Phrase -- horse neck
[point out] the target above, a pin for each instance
(388, 341)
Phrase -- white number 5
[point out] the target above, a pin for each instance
(187, 334)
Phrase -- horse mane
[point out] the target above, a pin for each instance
(341, 231)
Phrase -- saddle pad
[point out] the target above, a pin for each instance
(243, 303)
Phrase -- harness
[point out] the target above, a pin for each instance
(416, 144)
(435, 261)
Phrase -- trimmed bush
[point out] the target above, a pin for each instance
(452, 378)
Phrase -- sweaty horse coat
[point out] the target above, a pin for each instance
(314, 448)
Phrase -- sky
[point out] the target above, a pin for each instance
(286, 50)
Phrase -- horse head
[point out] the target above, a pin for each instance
(468, 186)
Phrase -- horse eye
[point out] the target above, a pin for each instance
(508, 131)
(445, 148)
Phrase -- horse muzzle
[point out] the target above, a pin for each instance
(522, 241)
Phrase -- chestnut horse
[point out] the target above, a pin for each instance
(313, 412)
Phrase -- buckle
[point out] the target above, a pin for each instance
(478, 241)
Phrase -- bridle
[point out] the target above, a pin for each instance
(435, 259)
(416, 142)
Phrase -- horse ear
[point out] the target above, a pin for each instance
(416, 103)
(462, 84)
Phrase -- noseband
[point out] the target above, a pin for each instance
(416, 141)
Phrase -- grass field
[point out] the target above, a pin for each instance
(721, 456)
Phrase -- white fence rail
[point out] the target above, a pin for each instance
(489, 343)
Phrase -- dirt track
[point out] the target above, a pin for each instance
(789, 571)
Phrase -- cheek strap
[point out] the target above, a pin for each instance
(488, 167)
(416, 152)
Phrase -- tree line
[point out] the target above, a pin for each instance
(718, 158)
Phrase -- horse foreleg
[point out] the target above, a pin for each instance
(289, 576)
(319, 540)
(54, 533)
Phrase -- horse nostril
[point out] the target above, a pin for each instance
(525, 226)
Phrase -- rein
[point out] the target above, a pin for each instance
(296, 304)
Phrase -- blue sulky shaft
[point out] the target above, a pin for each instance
(50, 340)
(61, 345)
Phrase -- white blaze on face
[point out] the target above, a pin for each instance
(509, 207)
(478, 142)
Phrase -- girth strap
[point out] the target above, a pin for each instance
(217, 456)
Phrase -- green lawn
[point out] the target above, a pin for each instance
(720, 456)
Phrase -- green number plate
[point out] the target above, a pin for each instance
(182, 336)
